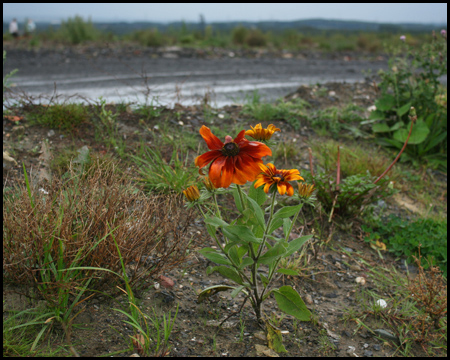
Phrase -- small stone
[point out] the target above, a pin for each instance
(360, 280)
(51, 133)
(308, 299)
(368, 353)
(376, 347)
(355, 267)
(262, 350)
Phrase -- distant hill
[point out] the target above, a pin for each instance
(309, 25)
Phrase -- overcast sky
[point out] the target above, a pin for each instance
(391, 13)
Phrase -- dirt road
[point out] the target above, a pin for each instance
(175, 77)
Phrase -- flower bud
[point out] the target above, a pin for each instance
(304, 190)
(403, 38)
(208, 184)
(192, 193)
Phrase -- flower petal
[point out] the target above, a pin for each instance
(290, 189)
(206, 158)
(267, 187)
(282, 187)
(216, 169)
(211, 140)
(255, 149)
(259, 182)
(227, 172)
(240, 137)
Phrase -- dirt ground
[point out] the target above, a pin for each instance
(328, 286)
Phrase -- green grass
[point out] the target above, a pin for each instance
(159, 175)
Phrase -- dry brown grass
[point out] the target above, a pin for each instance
(43, 233)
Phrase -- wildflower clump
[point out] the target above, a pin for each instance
(249, 242)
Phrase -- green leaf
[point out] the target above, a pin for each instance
(236, 291)
(385, 103)
(257, 212)
(296, 244)
(275, 339)
(403, 110)
(214, 256)
(227, 272)
(419, 133)
(240, 233)
(272, 254)
(376, 115)
(211, 230)
(290, 302)
(257, 194)
(215, 221)
(264, 279)
(211, 291)
(234, 255)
(380, 128)
(275, 224)
(288, 272)
(286, 226)
(397, 125)
(237, 199)
(287, 211)
(246, 262)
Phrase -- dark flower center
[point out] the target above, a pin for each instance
(230, 149)
(278, 177)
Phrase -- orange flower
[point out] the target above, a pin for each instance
(270, 175)
(192, 193)
(235, 161)
(258, 133)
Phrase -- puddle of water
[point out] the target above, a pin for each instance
(223, 92)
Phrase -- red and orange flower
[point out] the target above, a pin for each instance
(261, 134)
(235, 161)
(270, 175)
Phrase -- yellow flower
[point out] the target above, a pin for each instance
(270, 175)
(192, 193)
(305, 190)
(258, 133)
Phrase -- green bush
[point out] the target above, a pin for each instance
(255, 38)
(76, 30)
(238, 35)
(403, 237)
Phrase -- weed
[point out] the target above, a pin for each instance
(60, 116)
(21, 333)
(404, 237)
(6, 78)
(415, 83)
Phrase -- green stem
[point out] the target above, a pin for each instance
(269, 222)
(217, 206)
(270, 276)
(293, 222)
(241, 197)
